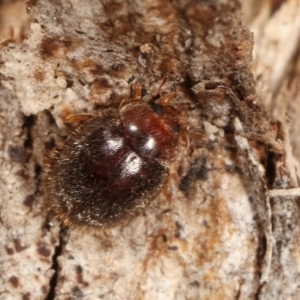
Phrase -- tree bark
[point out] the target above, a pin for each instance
(226, 225)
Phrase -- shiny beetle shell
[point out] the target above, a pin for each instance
(111, 167)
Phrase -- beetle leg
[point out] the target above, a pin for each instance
(70, 119)
(136, 92)
(166, 99)
(136, 95)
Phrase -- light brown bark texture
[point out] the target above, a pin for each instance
(214, 232)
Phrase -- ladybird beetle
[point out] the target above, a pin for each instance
(111, 167)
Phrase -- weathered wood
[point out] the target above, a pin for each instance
(210, 233)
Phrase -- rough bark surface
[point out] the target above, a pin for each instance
(210, 233)
(276, 27)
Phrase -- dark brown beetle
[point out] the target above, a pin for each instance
(110, 168)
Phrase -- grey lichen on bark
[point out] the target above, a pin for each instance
(208, 235)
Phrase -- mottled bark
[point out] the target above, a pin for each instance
(213, 232)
